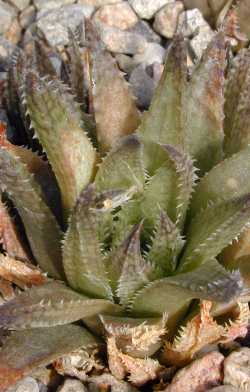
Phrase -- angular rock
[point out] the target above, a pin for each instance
(14, 33)
(166, 20)
(147, 8)
(118, 15)
(142, 86)
(20, 4)
(144, 29)
(27, 384)
(126, 63)
(6, 49)
(120, 41)
(27, 17)
(200, 376)
(237, 369)
(98, 3)
(54, 25)
(50, 4)
(7, 15)
(154, 53)
(225, 388)
(192, 24)
(72, 386)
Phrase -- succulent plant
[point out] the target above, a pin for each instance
(125, 213)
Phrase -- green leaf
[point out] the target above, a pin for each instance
(237, 113)
(134, 270)
(173, 294)
(187, 115)
(41, 228)
(76, 66)
(163, 122)
(160, 194)
(227, 180)
(24, 351)
(56, 119)
(186, 178)
(48, 305)
(204, 99)
(122, 168)
(167, 244)
(213, 229)
(83, 259)
(116, 114)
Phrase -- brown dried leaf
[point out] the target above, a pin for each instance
(203, 330)
(78, 363)
(199, 332)
(9, 237)
(140, 370)
(20, 273)
(6, 290)
(237, 328)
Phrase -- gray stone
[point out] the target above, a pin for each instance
(166, 20)
(72, 386)
(201, 41)
(225, 388)
(144, 29)
(126, 63)
(120, 41)
(142, 86)
(27, 384)
(118, 15)
(154, 53)
(27, 17)
(192, 24)
(54, 25)
(50, 4)
(147, 8)
(98, 3)
(7, 14)
(6, 49)
(237, 369)
(20, 4)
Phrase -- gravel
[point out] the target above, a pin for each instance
(147, 8)
(119, 15)
(166, 20)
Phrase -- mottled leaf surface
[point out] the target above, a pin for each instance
(213, 229)
(167, 243)
(237, 96)
(163, 122)
(42, 230)
(204, 106)
(56, 119)
(227, 180)
(116, 114)
(173, 294)
(135, 271)
(24, 351)
(48, 305)
(82, 251)
(188, 115)
(122, 168)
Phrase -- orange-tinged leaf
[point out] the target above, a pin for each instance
(19, 272)
(115, 109)
(199, 332)
(9, 236)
